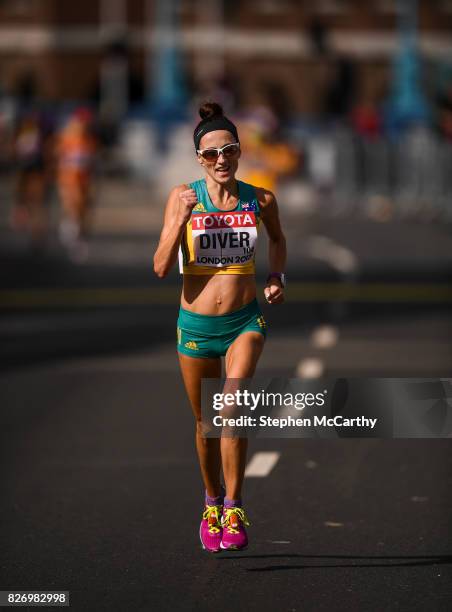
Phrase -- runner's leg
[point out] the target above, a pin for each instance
(193, 370)
(241, 360)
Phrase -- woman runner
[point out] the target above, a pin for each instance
(76, 153)
(212, 224)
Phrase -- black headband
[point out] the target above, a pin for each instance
(210, 124)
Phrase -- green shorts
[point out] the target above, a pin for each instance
(211, 335)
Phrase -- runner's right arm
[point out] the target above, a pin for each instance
(180, 203)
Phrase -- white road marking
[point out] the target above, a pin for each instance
(311, 367)
(324, 336)
(261, 464)
(340, 258)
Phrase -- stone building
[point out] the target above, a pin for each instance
(290, 49)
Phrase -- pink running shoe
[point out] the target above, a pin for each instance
(210, 530)
(234, 532)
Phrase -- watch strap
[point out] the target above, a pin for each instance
(279, 275)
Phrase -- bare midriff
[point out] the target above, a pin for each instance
(217, 294)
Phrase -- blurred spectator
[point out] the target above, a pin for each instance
(407, 106)
(119, 90)
(366, 120)
(26, 89)
(444, 106)
(342, 89)
(224, 89)
(7, 114)
(265, 158)
(318, 35)
(76, 154)
(277, 101)
(32, 157)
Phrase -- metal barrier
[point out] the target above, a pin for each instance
(411, 176)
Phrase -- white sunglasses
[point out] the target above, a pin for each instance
(212, 154)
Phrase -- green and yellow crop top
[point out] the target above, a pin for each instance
(217, 241)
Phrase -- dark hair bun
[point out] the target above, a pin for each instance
(209, 110)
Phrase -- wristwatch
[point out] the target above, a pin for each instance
(280, 276)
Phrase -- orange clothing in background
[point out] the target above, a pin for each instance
(76, 152)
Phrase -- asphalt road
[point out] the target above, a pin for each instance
(101, 491)
(102, 497)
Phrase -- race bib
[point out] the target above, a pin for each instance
(223, 239)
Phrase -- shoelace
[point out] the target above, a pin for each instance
(212, 515)
(232, 517)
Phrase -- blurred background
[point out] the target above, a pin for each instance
(344, 110)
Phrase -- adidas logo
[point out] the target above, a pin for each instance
(191, 345)
(261, 322)
(199, 207)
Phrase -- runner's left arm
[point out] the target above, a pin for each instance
(277, 253)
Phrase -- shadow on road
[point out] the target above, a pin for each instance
(388, 561)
